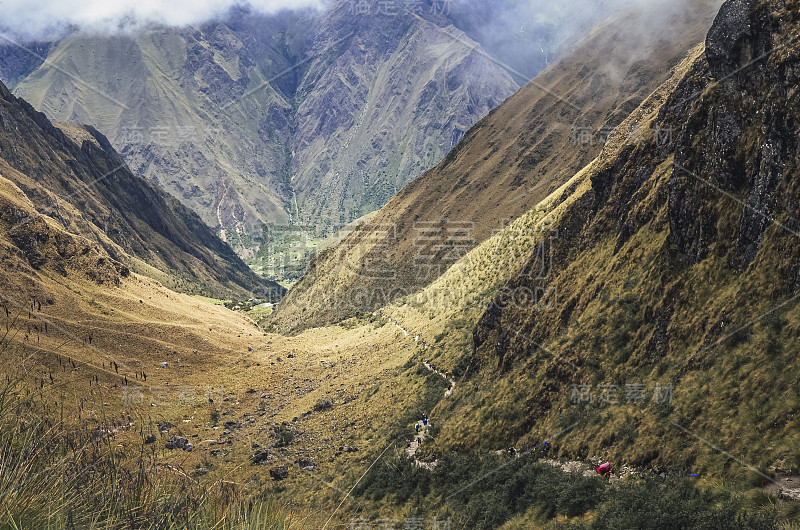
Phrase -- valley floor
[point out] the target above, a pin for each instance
(302, 419)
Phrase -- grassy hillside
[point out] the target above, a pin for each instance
(643, 313)
(83, 340)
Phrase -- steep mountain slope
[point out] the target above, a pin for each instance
(73, 175)
(249, 119)
(505, 165)
(669, 336)
(405, 86)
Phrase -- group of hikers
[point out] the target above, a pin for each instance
(418, 428)
(433, 367)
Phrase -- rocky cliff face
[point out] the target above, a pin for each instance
(679, 267)
(73, 176)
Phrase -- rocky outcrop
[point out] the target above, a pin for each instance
(727, 42)
(279, 472)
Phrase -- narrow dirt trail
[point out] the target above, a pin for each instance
(452, 387)
(424, 345)
(784, 485)
(412, 448)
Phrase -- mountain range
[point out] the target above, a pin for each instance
(306, 118)
(259, 119)
(603, 269)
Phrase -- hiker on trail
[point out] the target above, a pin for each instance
(424, 420)
(604, 469)
(545, 447)
(416, 426)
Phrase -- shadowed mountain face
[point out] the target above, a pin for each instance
(314, 117)
(505, 165)
(73, 176)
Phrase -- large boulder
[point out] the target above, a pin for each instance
(164, 426)
(323, 404)
(260, 457)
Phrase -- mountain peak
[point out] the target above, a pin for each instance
(726, 38)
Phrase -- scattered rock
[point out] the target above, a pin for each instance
(279, 472)
(260, 457)
(305, 464)
(189, 447)
(348, 449)
(251, 391)
(151, 438)
(219, 452)
(323, 404)
(177, 442)
(231, 425)
(200, 471)
(164, 364)
(164, 426)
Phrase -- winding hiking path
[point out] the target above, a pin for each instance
(419, 341)
(784, 485)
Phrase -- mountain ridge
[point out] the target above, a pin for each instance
(73, 175)
(237, 105)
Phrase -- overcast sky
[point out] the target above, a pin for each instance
(48, 19)
(45, 18)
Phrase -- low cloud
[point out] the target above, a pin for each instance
(44, 19)
(528, 33)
